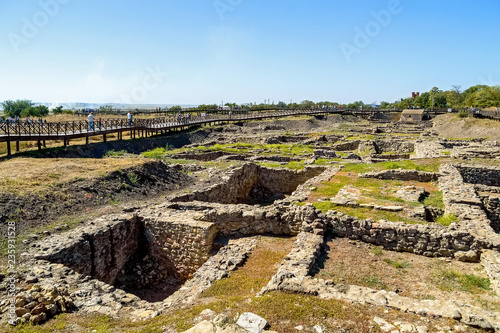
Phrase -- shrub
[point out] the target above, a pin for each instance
(447, 219)
(462, 114)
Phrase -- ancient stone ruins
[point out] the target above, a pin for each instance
(163, 255)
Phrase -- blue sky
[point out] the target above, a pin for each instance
(208, 51)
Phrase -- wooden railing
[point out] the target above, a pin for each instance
(35, 128)
(24, 130)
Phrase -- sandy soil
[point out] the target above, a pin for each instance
(450, 126)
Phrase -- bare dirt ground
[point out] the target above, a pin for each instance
(34, 192)
(450, 126)
(409, 275)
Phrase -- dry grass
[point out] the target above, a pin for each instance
(21, 175)
(450, 126)
(257, 271)
(408, 274)
(32, 145)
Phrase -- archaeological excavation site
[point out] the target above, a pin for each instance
(329, 223)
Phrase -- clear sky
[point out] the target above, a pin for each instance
(208, 51)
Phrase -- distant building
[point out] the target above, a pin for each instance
(411, 116)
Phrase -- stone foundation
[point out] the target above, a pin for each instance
(253, 184)
(405, 175)
(100, 252)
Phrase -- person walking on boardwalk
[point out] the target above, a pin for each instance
(91, 121)
(129, 117)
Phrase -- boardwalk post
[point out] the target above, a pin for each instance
(104, 137)
(44, 144)
(9, 153)
(17, 146)
(39, 144)
(87, 140)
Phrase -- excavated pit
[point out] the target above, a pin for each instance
(253, 185)
(145, 256)
(152, 254)
(486, 181)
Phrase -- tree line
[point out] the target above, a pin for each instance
(478, 96)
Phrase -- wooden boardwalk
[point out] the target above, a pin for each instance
(140, 127)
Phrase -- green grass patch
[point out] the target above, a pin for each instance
(322, 161)
(377, 250)
(115, 153)
(434, 199)
(372, 282)
(365, 213)
(449, 280)
(429, 166)
(447, 219)
(398, 264)
(157, 153)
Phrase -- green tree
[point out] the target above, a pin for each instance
(386, 105)
(175, 108)
(281, 105)
(438, 98)
(423, 101)
(58, 110)
(306, 104)
(484, 96)
(204, 107)
(35, 111)
(15, 108)
(106, 109)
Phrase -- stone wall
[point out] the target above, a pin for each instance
(181, 246)
(405, 175)
(375, 158)
(346, 146)
(429, 149)
(460, 199)
(492, 207)
(295, 275)
(428, 240)
(489, 176)
(252, 182)
(491, 262)
(101, 251)
(396, 146)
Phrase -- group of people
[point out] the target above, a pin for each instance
(10, 120)
(17, 120)
(183, 119)
(91, 120)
